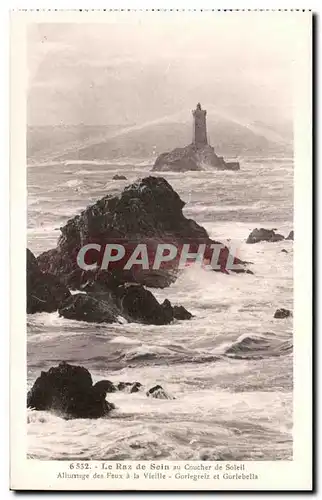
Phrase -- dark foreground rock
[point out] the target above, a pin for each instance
(282, 313)
(262, 234)
(130, 301)
(45, 291)
(192, 157)
(147, 212)
(291, 236)
(119, 178)
(69, 391)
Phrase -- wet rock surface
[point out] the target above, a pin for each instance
(132, 302)
(147, 212)
(68, 391)
(282, 313)
(157, 392)
(84, 307)
(263, 234)
(192, 157)
(45, 292)
(118, 177)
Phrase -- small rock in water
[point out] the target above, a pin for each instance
(136, 387)
(123, 385)
(263, 234)
(105, 385)
(291, 236)
(130, 387)
(119, 178)
(158, 392)
(282, 313)
(284, 251)
(180, 312)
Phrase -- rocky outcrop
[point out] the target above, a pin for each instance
(131, 301)
(118, 177)
(146, 212)
(140, 305)
(282, 313)
(290, 236)
(192, 157)
(262, 234)
(84, 307)
(179, 312)
(69, 391)
(45, 291)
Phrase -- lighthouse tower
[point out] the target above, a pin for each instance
(199, 126)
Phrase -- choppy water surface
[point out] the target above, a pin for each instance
(229, 368)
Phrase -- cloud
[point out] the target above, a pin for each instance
(140, 69)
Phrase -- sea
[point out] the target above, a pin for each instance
(229, 368)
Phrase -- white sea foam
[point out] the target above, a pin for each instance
(230, 404)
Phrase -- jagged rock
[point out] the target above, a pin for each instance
(136, 387)
(291, 236)
(180, 312)
(123, 385)
(84, 307)
(68, 390)
(45, 292)
(263, 234)
(158, 392)
(192, 157)
(131, 301)
(32, 264)
(119, 178)
(282, 313)
(131, 387)
(140, 305)
(146, 212)
(177, 312)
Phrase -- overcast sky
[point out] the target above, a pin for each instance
(140, 70)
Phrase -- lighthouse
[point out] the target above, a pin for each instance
(199, 126)
(198, 155)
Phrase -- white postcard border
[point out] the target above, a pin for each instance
(279, 475)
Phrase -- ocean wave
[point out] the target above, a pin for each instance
(159, 355)
(229, 368)
(73, 183)
(120, 339)
(257, 347)
(221, 208)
